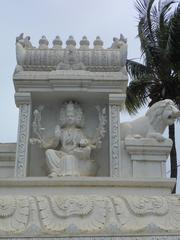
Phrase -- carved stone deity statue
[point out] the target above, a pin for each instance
(68, 152)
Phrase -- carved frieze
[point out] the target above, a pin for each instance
(89, 215)
(72, 214)
(14, 214)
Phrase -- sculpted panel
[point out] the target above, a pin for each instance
(72, 214)
(68, 153)
(93, 214)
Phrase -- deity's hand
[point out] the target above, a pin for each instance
(84, 142)
(44, 145)
(40, 142)
(57, 131)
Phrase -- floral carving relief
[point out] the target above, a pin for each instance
(115, 155)
(66, 207)
(22, 141)
(72, 213)
(14, 214)
(92, 214)
(148, 206)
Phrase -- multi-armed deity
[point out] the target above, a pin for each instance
(68, 152)
(76, 172)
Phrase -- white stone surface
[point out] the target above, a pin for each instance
(153, 124)
(69, 214)
(7, 159)
(87, 185)
(148, 156)
(133, 198)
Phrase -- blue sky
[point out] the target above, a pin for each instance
(106, 18)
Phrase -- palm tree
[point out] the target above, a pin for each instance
(158, 77)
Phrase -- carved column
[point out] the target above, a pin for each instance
(115, 103)
(23, 102)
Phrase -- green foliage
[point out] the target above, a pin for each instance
(159, 77)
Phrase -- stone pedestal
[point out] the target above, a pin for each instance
(148, 157)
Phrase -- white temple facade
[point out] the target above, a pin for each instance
(76, 172)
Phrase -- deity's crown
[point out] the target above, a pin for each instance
(70, 106)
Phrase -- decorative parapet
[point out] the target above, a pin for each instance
(43, 58)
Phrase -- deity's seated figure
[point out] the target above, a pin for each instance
(68, 152)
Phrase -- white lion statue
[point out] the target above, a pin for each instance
(152, 125)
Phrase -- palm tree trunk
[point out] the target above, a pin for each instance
(173, 155)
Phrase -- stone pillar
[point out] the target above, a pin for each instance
(115, 103)
(23, 102)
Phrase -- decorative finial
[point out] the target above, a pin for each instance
(122, 38)
(98, 43)
(43, 42)
(57, 43)
(71, 41)
(84, 43)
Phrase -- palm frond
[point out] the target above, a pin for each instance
(141, 7)
(136, 70)
(136, 95)
(163, 29)
(149, 19)
(173, 44)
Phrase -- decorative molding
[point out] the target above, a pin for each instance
(23, 140)
(115, 104)
(22, 98)
(76, 80)
(82, 215)
(114, 141)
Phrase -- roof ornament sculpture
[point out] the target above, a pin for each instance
(119, 42)
(84, 43)
(57, 43)
(45, 58)
(98, 43)
(71, 42)
(43, 43)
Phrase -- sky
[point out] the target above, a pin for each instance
(104, 18)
